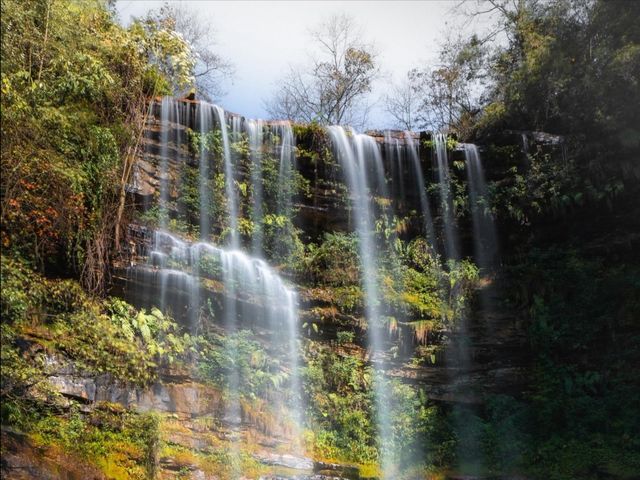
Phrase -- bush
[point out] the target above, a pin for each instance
(344, 337)
(108, 336)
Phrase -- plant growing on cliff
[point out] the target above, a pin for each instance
(111, 440)
(340, 401)
(102, 337)
(224, 356)
(335, 261)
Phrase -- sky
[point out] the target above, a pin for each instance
(262, 38)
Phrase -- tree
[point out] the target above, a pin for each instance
(332, 87)
(404, 101)
(75, 90)
(211, 69)
(445, 96)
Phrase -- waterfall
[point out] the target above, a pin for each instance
(255, 132)
(165, 118)
(229, 178)
(392, 148)
(205, 120)
(353, 151)
(254, 296)
(287, 166)
(168, 254)
(412, 149)
(446, 199)
(458, 352)
(485, 241)
(525, 143)
(170, 122)
(252, 290)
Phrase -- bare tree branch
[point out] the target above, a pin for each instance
(332, 87)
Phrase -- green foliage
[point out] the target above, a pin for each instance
(559, 54)
(420, 277)
(335, 261)
(47, 319)
(20, 375)
(209, 266)
(461, 278)
(340, 401)
(159, 334)
(168, 51)
(583, 408)
(341, 410)
(109, 337)
(451, 145)
(74, 88)
(507, 434)
(222, 357)
(344, 337)
(120, 443)
(418, 288)
(281, 239)
(547, 187)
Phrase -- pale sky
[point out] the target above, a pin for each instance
(261, 38)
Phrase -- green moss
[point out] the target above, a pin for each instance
(119, 443)
(222, 458)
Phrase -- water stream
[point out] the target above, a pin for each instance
(485, 241)
(356, 154)
(254, 296)
(412, 148)
(446, 197)
(255, 132)
(229, 178)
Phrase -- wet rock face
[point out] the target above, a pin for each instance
(170, 470)
(336, 470)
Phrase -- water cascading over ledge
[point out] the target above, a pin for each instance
(384, 176)
(361, 161)
(182, 273)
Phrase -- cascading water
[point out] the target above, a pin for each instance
(229, 177)
(411, 147)
(205, 120)
(175, 288)
(353, 152)
(458, 352)
(169, 119)
(254, 295)
(287, 166)
(484, 230)
(525, 143)
(394, 156)
(446, 199)
(255, 132)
